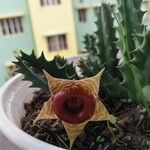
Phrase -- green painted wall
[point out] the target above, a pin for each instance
(89, 26)
(10, 43)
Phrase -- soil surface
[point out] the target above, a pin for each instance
(131, 132)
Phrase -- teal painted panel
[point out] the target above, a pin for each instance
(9, 43)
(89, 26)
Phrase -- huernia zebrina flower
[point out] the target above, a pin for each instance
(75, 102)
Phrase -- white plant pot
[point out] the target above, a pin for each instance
(13, 95)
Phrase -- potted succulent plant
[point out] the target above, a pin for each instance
(104, 108)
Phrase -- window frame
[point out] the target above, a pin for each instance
(10, 26)
(50, 2)
(96, 10)
(82, 15)
(57, 42)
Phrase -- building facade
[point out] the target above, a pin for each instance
(85, 14)
(53, 27)
(15, 33)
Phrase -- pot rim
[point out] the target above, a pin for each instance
(14, 133)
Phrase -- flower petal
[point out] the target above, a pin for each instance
(101, 112)
(46, 112)
(73, 131)
(57, 84)
(92, 84)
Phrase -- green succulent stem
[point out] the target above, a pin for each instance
(128, 79)
(139, 91)
(32, 69)
(133, 85)
(136, 84)
(126, 43)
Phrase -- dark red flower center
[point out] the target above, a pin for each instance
(73, 106)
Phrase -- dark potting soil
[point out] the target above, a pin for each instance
(132, 131)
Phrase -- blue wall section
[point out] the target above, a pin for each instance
(89, 26)
(10, 43)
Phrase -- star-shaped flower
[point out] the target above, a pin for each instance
(75, 102)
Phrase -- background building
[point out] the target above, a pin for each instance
(53, 27)
(15, 32)
(85, 12)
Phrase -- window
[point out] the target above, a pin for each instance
(10, 26)
(82, 15)
(81, 1)
(57, 42)
(49, 2)
(96, 10)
